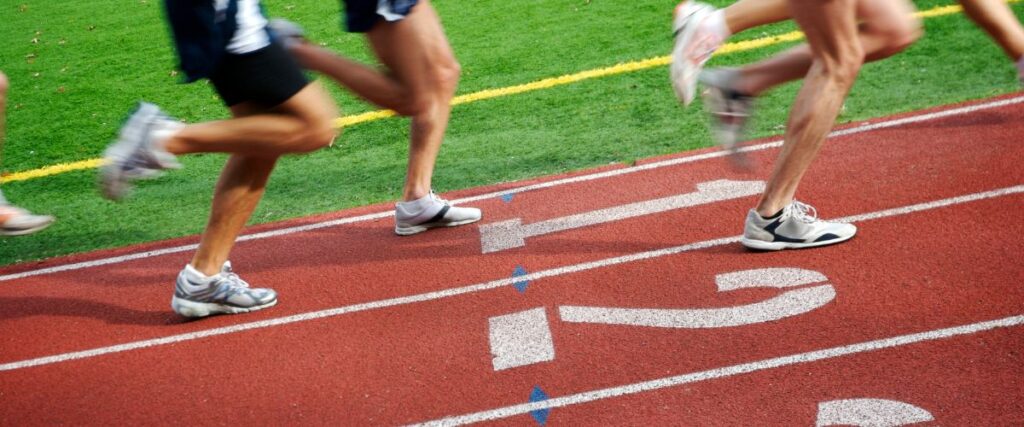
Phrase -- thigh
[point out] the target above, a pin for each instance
(830, 26)
(313, 105)
(413, 48)
(885, 14)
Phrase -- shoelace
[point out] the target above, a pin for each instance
(438, 198)
(238, 285)
(803, 212)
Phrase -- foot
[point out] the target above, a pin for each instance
(694, 44)
(729, 109)
(797, 226)
(15, 221)
(198, 295)
(288, 32)
(429, 212)
(137, 153)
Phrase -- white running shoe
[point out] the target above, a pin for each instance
(198, 295)
(15, 221)
(729, 109)
(136, 153)
(797, 227)
(694, 44)
(429, 212)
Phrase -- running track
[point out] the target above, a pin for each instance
(920, 317)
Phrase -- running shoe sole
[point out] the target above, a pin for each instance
(194, 309)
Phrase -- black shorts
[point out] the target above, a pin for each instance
(361, 15)
(267, 77)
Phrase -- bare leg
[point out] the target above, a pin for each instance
(831, 29)
(4, 85)
(238, 191)
(420, 82)
(998, 20)
(887, 28)
(416, 50)
(747, 14)
(366, 82)
(266, 133)
(245, 176)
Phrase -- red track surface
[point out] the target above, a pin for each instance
(411, 361)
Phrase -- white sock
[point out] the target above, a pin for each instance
(418, 204)
(196, 278)
(162, 133)
(716, 24)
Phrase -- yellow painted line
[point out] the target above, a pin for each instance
(52, 170)
(626, 67)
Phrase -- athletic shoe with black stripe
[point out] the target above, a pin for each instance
(198, 295)
(136, 154)
(796, 227)
(429, 212)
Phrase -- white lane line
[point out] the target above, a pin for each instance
(451, 292)
(728, 371)
(499, 236)
(867, 127)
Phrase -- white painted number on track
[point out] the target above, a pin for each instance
(786, 304)
(524, 338)
(870, 413)
(511, 234)
(520, 339)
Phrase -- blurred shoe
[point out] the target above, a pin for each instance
(797, 226)
(15, 221)
(429, 212)
(198, 295)
(730, 110)
(288, 32)
(136, 153)
(694, 44)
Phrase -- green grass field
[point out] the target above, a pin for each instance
(77, 67)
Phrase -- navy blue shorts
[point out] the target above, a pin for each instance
(362, 15)
(228, 43)
(267, 77)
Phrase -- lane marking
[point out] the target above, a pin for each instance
(867, 127)
(520, 339)
(494, 284)
(626, 67)
(870, 412)
(525, 337)
(729, 371)
(499, 236)
(787, 304)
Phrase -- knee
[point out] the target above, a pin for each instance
(908, 34)
(903, 34)
(441, 81)
(843, 66)
(448, 75)
(315, 134)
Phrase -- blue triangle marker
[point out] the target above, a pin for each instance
(540, 415)
(522, 284)
(507, 197)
